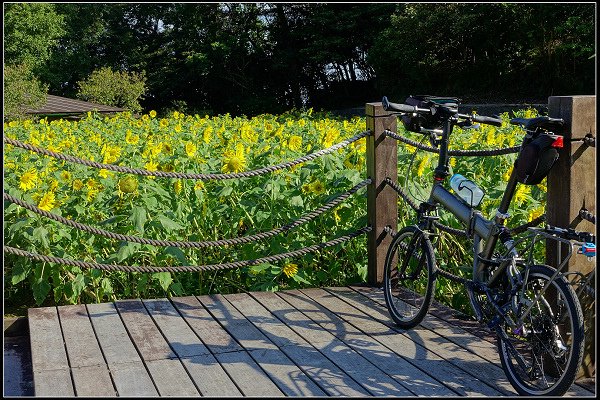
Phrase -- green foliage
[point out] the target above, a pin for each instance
(173, 209)
(22, 91)
(252, 58)
(119, 89)
(31, 33)
(487, 50)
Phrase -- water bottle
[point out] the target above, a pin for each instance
(467, 190)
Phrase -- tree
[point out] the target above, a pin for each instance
(119, 89)
(31, 33)
(22, 91)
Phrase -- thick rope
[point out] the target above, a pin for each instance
(162, 174)
(398, 190)
(588, 216)
(185, 268)
(186, 244)
(490, 152)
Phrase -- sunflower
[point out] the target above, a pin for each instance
(190, 149)
(235, 161)
(77, 184)
(290, 270)
(28, 180)
(47, 202)
(295, 143)
(178, 186)
(317, 187)
(128, 184)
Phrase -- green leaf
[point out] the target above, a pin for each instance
(257, 269)
(169, 224)
(276, 270)
(177, 289)
(17, 226)
(300, 279)
(138, 218)
(297, 201)
(41, 234)
(106, 286)
(177, 253)
(78, 285)
(226, 191)
(41, 288)
(164, 278)
(19, 273)
(127, 250)
(151, 202)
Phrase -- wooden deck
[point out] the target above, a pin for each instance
(313, 342)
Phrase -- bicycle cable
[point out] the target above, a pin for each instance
(406, 178)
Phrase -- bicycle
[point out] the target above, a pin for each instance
(531, 307)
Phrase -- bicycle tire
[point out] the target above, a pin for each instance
(542, 379)
(409, 282)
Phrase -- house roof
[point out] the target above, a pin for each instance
(64, 105)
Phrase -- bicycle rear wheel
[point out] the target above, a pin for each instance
(409, 277)
(541, 358)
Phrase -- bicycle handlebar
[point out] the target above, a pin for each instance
(389, 106)
(486, 120)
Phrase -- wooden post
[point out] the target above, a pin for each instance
(572, 186)
(382, 200)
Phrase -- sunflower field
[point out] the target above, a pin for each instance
(197, 210)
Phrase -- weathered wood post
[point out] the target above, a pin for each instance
(382, 200)
(572, 186)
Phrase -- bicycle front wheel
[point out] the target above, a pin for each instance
(541, 357)
(409, 277)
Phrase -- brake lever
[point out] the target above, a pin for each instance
(467, 124)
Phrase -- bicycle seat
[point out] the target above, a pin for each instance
(550, 124)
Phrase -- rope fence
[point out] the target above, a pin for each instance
(180, 175)
(459, 153)
(187, 268)
(240, 240)
(187, 244)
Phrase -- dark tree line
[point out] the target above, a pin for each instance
(269, 57)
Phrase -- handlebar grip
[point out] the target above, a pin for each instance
(487, 120)
(389, 106)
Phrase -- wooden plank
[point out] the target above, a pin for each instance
(415, 346)
(180, 336)
(47, 347)
(287, 375)
(484, 349)
(414, 379)
(171, 378)
(144, 333)
(92, 381)
(246, 334)
(210, 377)
(250, 338)
(248, 375)
(382, 200)
(373, 379)
(53, 383)
(204, 325)
(82, 347)
(132, 380)
(111, 334)
(455, 334)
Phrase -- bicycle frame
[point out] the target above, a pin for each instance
(480, 228)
